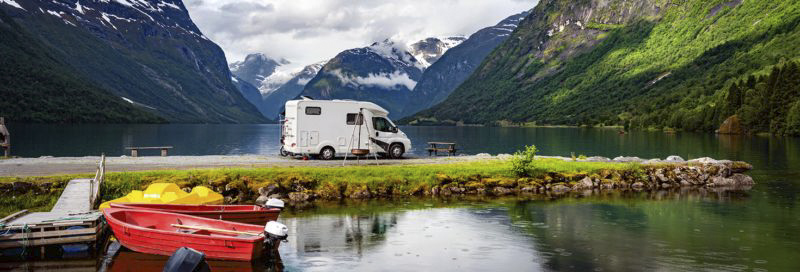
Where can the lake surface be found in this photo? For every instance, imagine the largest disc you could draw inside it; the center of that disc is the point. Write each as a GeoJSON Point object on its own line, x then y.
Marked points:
{"type": "Point", "coordinates": [753, 230]}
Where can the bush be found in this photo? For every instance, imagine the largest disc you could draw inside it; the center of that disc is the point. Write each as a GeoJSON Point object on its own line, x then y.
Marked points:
{"type": "Point", "coordinates": [521, 162]}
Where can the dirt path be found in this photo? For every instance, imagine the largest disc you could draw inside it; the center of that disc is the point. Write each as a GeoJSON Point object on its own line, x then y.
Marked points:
{"type": "Point", "coordinates": [48, 166]}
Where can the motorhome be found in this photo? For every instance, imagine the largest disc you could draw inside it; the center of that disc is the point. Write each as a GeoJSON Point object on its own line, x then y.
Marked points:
{"type": "Point", "coordinates": [331, 128]}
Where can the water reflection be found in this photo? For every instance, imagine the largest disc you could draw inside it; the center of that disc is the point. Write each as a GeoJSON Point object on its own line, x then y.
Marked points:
{"type": "Point", "coordinates": [670, 230]}
{"type": "Point", "coordinates": [128, 261]}
{"type": "Point", "coordinates": [407, 240]}
{"type": "Point", "coordinates": [622, 231]}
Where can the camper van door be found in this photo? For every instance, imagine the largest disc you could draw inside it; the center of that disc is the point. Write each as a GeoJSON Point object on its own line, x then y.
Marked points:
{"type": "Point", "coordinates": [384, 131]}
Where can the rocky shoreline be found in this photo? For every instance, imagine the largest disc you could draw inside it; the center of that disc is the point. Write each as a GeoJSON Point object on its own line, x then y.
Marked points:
{"type": "Point", "coordinates": [620, 174]}
{"type": "Point", "coordinates": [654, 174]}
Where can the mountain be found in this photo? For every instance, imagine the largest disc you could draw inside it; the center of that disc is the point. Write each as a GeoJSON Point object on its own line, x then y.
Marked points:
{"type": "Point", "coordinates": [252, 94]}
{"type": "Point", "coordinates": [457, 63]}
{"type": "Point", "coordinates": [261, 71]}
{"type": "Point", "coordinates": [275, 100]}
{"type": "Point", "coordinates": [147, 53]}
{"type": "Point", "coordinates": [39, 88]}
{"type": "Point", "coordinates": [384, 73]}
{"type": "Point", "coordinates": [638, 63]}
{"type": "Point", "coordinates": [429, 50]}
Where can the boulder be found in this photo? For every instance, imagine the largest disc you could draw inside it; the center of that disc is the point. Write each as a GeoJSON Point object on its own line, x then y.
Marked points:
{"type": "Point", "coordinates": [560, 188]}
{"type": "Point", "coordinates": [504, 156]}
{"type": "Point", "coordinates": [652, 161]}
{"type": "Point", "coordinates": [266, 191]}
{"type": "Point", "coordinates": [298, 197]}
{"type": "Point", "coordinates": [627, 159]}
{"type": "Point", "coordinates": [502, 191]}
{"type": "Point", "coordinates": [674, 158]}
{"type": "Point", "coordinates": [483, 155]}
{"type": "Point", "coordinates": [261, 200]}
{"type": "Point", "coordinates": [704, 160]}
{"type": "Point", "coordinates": [598, 159]}
{"type": "Point", "coordinates": [741, 179]}
{"type": "Point", "coordinates": [732, 125]}
{"type": "Point", "coordinates": [586, 183]}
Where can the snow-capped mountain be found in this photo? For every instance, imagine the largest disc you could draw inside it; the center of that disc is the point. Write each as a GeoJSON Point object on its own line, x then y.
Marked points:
{"type": "Point", "coordinates": [262, 71]}
{"type": "Point", "coordinates": [148, 51]}
{"type": "Point", "coordinates": [431, 49]}
{"type": "Point", "coordinates": [275, 100]}
{"type": "Point", "coordinates": [384, 72]}
{"type": "Point", "coordinates": [458, 63]}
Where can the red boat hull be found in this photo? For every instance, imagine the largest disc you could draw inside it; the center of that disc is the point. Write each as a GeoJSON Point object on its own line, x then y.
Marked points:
{"type": "Point", "coordinates": [152, 232]}
{"type": "Point", "coordinates": [249, 214]}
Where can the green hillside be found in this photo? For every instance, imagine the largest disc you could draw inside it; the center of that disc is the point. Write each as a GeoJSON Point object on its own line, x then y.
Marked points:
{"type": "Point", "coordinates": [37, 88]}
{"type": "Point", "coordinates": [646, 64]}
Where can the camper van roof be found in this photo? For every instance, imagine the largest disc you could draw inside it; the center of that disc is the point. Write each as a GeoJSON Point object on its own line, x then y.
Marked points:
{"type": "Point", "coordinates": [364, 104]}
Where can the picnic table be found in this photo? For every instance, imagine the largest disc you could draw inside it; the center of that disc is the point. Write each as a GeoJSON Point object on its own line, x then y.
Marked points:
{"type": "Point", "coordinates": [135, 150]}
{"type": "Point", "coordinates": [435, 147]}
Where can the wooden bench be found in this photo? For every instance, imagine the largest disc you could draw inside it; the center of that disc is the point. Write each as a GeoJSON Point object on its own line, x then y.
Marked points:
{"type": "Point", "coordinates": [135, 150]}
{"type": "Point", "coordinates": [435, 147]}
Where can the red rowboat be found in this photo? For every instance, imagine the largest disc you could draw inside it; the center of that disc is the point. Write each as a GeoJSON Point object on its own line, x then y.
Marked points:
{"type": "Point", "coordinates": [250, 214]}
{"type": "Point", "coordinates": [162, 233]}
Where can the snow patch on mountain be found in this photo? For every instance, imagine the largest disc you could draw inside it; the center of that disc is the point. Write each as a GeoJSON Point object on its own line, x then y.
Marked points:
{"type": "Point", "coordinates": [277, 79]}
{"type": "Point", "coordinates": [396, 52]}
{"type": "Point", "coordinates": [429, 50]}
{"type": "Point", "coordinates": [393, 81]}
{"type": "Point", "coordinates": [54, 13]}
{"type": "Point", "coordinates": [79, 8]}
{"type": "Point", "coordinates": [12, 3]}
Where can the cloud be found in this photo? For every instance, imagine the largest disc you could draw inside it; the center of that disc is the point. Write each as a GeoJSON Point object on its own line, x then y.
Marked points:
{"type": "Point", "coordinates": [308, 31]}
{"type": "Point", "coordinates": [393, 81]}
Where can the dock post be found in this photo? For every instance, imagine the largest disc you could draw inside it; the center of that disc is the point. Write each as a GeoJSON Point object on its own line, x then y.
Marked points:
{"type": "Point", "coordinates": [5, 138]}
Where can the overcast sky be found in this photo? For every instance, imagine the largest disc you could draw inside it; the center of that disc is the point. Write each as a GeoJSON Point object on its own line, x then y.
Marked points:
{"type": "Point", "coordinates": [308, 31]}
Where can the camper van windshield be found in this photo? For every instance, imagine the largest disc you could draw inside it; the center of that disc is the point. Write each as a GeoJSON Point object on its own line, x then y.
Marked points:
{"type": "Point", "coordinates": [381, 124]}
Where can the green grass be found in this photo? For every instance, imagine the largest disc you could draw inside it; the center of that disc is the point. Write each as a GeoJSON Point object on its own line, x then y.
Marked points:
{"type": "Point", "coordinates": [325, 182]}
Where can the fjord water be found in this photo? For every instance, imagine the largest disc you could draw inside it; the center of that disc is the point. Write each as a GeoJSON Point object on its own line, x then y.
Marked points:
{"type": "Point", "coordinates": [752, 230]}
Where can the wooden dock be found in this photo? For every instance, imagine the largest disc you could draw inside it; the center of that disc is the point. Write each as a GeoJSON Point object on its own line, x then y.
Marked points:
{"type": "Point", "coordinates": [71, 220]}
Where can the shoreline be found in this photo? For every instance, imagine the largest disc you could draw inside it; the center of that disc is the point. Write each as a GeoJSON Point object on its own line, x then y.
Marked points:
{"type": "Point", "coordinates": [303, 182]}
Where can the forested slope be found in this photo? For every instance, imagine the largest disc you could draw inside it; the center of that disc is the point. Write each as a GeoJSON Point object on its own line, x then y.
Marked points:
{"type": "Point", "coordinates": [37, 88]}
{"type": "Point", "coordinates": [641, 63]}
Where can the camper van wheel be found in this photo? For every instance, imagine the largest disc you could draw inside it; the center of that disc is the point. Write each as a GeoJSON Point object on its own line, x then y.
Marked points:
{"type": "Point", "coordinates": [396, 151]}
{"type": "Point", "coordinates": [327, 153]}
{"type": "Point", "coordinates": [284, 153]}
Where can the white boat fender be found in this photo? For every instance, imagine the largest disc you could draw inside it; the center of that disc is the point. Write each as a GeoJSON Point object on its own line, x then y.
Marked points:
{"type": "Point", "coordinates": [274, 203]}
{"type": "Point", "coordinates": [276, 231]}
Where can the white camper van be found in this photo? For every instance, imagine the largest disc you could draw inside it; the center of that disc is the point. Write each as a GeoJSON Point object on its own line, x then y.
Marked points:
{"type": "Point", "coordinates": [327, 128]}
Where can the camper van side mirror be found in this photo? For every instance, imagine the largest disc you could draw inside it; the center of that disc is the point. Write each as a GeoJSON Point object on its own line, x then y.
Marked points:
{"type": "Point", "coordinates": [394, 129]}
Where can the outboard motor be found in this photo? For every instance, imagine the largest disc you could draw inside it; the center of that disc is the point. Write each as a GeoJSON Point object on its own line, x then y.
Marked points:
{"type": "Point", "coordinates": [274, 233]}
{"type": "Point", "coordinates": [187, 259]}
{"type": "Point", "coordinates": [274, 203]}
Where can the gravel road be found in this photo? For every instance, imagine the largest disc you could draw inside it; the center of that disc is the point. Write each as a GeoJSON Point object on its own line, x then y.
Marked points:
{"type": "Point", "coordinates": [47, 166]}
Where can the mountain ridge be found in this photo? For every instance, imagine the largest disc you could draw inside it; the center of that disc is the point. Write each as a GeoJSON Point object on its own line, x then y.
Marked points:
{"type": "Point", "coordinates": [637, 63]}
{"type": "Point", "coordinates": [147, 51]}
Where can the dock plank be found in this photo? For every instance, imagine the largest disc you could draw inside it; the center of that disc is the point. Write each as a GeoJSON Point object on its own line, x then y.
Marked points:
{"type": "Point", "coordinates": [75, 198]}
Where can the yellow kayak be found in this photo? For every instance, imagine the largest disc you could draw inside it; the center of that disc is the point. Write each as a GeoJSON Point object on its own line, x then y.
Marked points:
{"type": "Point", "coordinates": [168, 193]}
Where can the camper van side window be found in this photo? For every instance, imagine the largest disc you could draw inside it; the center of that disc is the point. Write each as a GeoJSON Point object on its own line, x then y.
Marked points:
{"type": "Point", "coordinates": [313, 110]}
{"type": "Point", "coordinates": [351, 119]}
